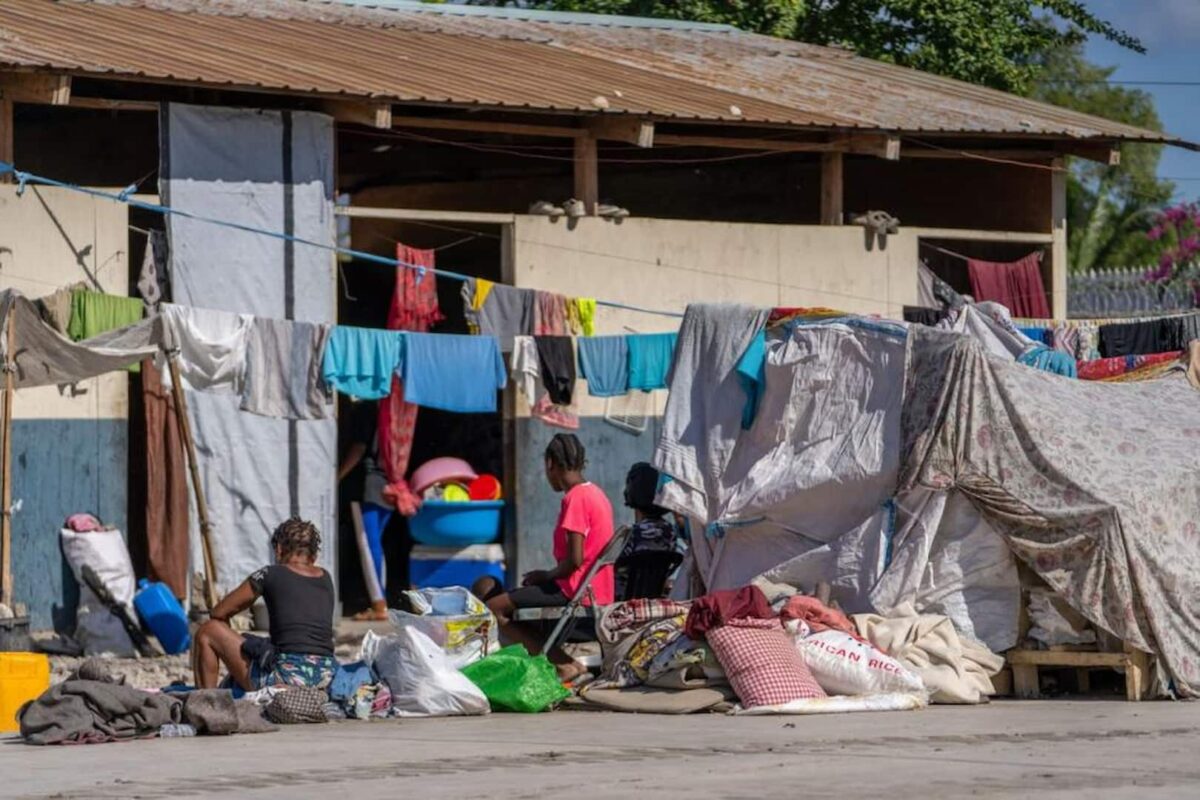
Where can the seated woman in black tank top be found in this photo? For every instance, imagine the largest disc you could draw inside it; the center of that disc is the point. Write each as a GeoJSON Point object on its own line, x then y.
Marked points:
{"type": "Point", "coordinates": [300, 602]}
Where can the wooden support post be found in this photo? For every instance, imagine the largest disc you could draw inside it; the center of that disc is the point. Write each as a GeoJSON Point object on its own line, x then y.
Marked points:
{"type": "Point", "coordinates": [1083, 677]}
{"type": "Point", "coordinates": [831, 189]}
{"type": "Point", "coordinates": [1137, 674]}
{"type": "Point", "coordinates": [185, 432]}
{"type": "Point", "coordinates": [1025, 682]}
{"type": "Point", "coordinates": [6, 591]}
{"type": "Point", "coordinates": [1058, 250]}
{"type": "Point", "coordinates": [587, 172]}
{"type": "Point", "coordinates": [6, 132]}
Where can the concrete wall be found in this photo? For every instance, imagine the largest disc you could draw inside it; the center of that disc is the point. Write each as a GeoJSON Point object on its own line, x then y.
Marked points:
{"type": "Point", "coordinates": [70, 444]}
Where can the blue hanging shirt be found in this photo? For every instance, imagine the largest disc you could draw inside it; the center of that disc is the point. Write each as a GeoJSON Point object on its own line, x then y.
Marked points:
{"type": "Point", "coordinates": [752, 372]}
{"type": "Point", "coordinates": [361, 361]}
{"type": "Point", "coordinates": [604, 362]}
{"type": "Point", "coordinates": [453, 372]}
{"type": "Point", "coordinates": [650, 356]}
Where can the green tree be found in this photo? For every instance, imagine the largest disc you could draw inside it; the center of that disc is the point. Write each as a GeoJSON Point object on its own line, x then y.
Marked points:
{"type": "Point", "coordinates": [1109, 208]}
{"type": "Point", "coordinates": [991, 42]}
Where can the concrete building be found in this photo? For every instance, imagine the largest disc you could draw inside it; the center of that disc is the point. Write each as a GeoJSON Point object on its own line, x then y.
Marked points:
{"type": "Point", "coordinates": [742, 160]}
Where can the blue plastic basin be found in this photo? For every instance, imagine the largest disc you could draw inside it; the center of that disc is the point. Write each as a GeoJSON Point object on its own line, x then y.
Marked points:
{"type": "Point", "coordinates": [443, 524]}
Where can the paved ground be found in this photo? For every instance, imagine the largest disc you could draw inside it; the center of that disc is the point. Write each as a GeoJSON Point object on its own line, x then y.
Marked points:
{"type": "Point", "coordinates": [1054, 749]}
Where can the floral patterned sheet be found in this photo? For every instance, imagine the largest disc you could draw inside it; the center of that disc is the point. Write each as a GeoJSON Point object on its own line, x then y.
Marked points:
{"type": "Point", "coordinates": [1095, 485]}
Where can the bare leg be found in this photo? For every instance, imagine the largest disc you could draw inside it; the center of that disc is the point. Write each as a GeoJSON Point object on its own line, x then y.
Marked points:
{"type": "Point", "coordinates": [501, 605]}
{"type": "Point", "coordinates": [216, 643]}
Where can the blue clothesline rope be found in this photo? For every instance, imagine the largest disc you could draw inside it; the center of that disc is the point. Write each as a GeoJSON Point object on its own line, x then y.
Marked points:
{"type": "Point", "coordinates": [124, 196]}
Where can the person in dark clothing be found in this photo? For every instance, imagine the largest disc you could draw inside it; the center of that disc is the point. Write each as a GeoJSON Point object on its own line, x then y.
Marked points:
{"type": "Point", "coordinates": [374, 511]}
{"type": "Point", "coordinates": [300, 602]}
{"type": "Point", "coordinates": [653, 531]}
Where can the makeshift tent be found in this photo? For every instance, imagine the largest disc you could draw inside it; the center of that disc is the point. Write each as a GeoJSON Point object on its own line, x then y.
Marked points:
{"type": "Point", "coordinates": [908, 465]}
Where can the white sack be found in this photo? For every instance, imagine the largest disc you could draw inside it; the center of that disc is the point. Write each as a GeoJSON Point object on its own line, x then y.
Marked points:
{"type": "Point", "coordinates": [845, 666]}
{"type": "Point", "coordinates": [423, 681]}
{"type": "Point", "coordinates": [455, 620]}
{"type": "Point", "coordinates": [840, 705]}
{"type": "Point", "coordinates": [97, 628]}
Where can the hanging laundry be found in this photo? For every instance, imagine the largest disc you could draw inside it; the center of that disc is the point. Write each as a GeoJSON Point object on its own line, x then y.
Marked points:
{"type": "Point", "coordinates": [506, 312]}
{"type": "Point", "coordinates": [453, 373]}
{"type": "Point", "coordinates": [211, 346]}
{"type": "Point", "coordinates": [604, 362]}
{"type": "Point", "coordinates": [526, 370]}
{"type": "Point", "coordinates": [550, 314]}
{"type": "Point", "coordinates": [55, 307]}
{"type": "Point", "coordinates": [1135, 338]}
{"type": "Point", "coordinates": [650, 357]}
{"type": "Point", "coordinates": [1180, 331]}
{"type": "Point", "coordinates": [918, 315]}
{"type": "Point", "coordinates": [785, 315]}
{"type": "Point", "coordinates": [166, 557]}
{"type": "Point", "coordinates": [284, 370]}
{"type": "Point", "coordinates": [152, 282]}
{"type": "Point", "coordinates": [1122, 369]}
{"type": "Point", "coordinates": [414, 308]}
{"type": "Point", "coordinates": [556, 358]}
{"type": "Point", "coordinates": [94, 313]}
{"type": "Point", "coordinates": [360, 362]}
{"type": "Point", "coordinates": [1016, 285]}
{"type": "Point", "coordinates": [581, 314]}
{"type": "Point", "coordinates": [752, 371]}
{"type": "Point", "coordinates": [1040, 335]}
{"type": "Point", "coordinates": [1047, 360]}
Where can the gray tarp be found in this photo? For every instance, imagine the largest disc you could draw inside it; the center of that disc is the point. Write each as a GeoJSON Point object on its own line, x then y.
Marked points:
{"type": "Point", "coordinates": [1094, 485]}
{"type": "Point", "coordinates": [45, 357]}
{"type": "Point", "coordinates": [271, 170]}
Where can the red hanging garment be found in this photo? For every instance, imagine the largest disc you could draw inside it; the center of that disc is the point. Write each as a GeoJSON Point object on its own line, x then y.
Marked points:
{"type": "Point", "coordinates": [414, 308]}
{"type": "Point", "coordinates": [1016, 285]}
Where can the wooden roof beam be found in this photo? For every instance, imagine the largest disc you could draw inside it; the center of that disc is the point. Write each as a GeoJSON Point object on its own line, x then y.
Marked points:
{"type": "Point", "coordinates": [36, 87]}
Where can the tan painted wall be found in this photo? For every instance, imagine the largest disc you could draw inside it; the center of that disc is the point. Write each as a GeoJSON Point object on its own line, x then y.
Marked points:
{"type": "Point", "coordinates": [51, 238]}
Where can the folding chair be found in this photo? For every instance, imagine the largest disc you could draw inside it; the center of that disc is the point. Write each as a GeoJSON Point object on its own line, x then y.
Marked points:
{"type": "Point", "coordinates": [570, 614]}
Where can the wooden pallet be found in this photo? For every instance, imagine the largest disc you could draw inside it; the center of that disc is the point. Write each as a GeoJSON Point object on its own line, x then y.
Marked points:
{"type": "Point", "coordinates": [1025, 665]}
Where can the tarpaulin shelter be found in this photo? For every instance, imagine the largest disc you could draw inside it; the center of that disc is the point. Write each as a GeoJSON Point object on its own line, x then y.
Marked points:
{"type": "Point", "coordinates": [906, 464]}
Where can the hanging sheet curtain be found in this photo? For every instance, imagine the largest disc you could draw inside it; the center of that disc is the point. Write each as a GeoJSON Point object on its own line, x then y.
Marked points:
{"type": "Point", "coordinates": [1016, 285]}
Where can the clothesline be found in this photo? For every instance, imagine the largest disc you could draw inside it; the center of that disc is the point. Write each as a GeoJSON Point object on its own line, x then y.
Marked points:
{"type": "Point", "coordinates": [952, 253]}
{"type": "Point", "coordinates": [124, 196]}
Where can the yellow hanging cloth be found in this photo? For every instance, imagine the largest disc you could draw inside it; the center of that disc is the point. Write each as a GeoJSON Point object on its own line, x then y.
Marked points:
{"type": "Point", "coordinates": [483, 288]}
{"type": "Point", "coordinates": [581, 312]}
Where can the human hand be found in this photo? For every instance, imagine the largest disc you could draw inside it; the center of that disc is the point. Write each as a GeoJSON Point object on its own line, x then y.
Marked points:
{"type": "Point", "coordinates": [535, 577]}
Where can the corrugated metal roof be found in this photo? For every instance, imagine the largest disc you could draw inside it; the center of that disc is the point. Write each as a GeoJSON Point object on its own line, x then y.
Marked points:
{"type": "Point", "coordinates": [429, 54]}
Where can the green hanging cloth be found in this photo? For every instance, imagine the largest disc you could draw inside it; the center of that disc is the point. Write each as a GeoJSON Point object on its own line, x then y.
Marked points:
{"type": "Point", "coordinates": [94, 313]}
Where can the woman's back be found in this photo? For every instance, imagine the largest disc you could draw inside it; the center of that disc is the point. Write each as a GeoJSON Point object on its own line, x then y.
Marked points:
{"type": "Point", "coordinates": [300, 608]}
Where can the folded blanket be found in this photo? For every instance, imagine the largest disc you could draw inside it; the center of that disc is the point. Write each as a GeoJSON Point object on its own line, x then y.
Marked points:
{"type": "Point", "coordinates": [83, 711]}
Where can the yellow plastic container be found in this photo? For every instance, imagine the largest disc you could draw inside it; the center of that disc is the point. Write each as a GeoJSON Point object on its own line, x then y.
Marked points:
{"type": "Point", "coordinates": [23, 677]}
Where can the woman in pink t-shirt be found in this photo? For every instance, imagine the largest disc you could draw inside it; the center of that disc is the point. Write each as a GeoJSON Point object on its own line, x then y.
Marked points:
{"type": "Point", "coordinates": [584, 529]}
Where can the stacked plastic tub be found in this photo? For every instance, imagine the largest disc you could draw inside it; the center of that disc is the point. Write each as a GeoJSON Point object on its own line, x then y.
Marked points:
{"type": "Point", "coordinates": [455, 538]}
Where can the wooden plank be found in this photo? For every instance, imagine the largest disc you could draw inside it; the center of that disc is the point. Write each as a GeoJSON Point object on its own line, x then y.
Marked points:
{"type": "Point", "coordinates": [1107, 153]}
{"type": "Point", "coordinates": [486, 126]}
{"type": "Point", "coordinates": [587, 173]}
{"type": "Point", "coordinates": [881, 145]}
{"type": "Point", "coordinates": [623, 129]}
{"type": "Point", "coordinates": [35, 87]}
{"type": "Point", "coordinates": [431, 215]}
{"type": "Point", "coordinates": [1047, 658]}
{"type": "Point", "coordinates": [832, 189]}
{"type": "Point", "coordinates": [1084, 678]}
{"type": "Point", "coordinates": [105, 104]}
{"type": "Point", "coordinates": [373, 115]}
{"type": "Point", "coordinates": [6, 589]}
{"type": "Point", "coordinates": [730, 143]}
{"type": "Point", "coordinates": [6, 135]}
{"type": "Point", "coordinates": [1137, 674]}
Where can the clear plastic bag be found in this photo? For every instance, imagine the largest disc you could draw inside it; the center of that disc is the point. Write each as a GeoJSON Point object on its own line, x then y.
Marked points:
{"type": "Point", "coordinates": [456, 620]}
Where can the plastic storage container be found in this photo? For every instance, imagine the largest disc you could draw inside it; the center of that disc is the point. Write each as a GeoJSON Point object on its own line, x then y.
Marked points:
{"type": "Point", "coordinates": [458, 525]}
{"type": "Point", "coordinates": [439, 567]}
{"type": "Point", "coordinates": [23, 677]}
{"type": "Point", "coordinates": [163, 615]}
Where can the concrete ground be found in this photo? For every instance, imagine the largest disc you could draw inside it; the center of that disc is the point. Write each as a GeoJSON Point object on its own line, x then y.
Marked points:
{"type": "Point", "coordinates": [1048, 749]}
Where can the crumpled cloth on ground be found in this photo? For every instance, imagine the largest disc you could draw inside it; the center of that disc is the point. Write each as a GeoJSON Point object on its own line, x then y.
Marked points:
{"type": "Point", "coordinates": [215, 712]}
{"type": "Point", "coordinates": [715, 608]}
{"type": "Point", "coordinates": [818, 616]}
{"type": "Point", "coordinates": [632, 634]}
{"type": "Point", "coordinates": [85, 712]}
{"type": "Point", "coordinates": [955, 669]}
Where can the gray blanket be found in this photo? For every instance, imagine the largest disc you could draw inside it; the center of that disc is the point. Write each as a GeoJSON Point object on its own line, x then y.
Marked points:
{"type": "Point", "coordinates": [81, 711]}
{"type": "Point", "coordinates": [215, 712]}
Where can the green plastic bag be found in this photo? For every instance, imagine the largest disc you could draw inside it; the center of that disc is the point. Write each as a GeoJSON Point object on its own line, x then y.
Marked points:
{"type": "Point", "coordinates": [513, 680]}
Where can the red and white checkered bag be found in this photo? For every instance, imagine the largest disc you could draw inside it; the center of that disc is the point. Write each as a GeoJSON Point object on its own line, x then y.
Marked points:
{"type": "Point", "coordinates": [762, 663]}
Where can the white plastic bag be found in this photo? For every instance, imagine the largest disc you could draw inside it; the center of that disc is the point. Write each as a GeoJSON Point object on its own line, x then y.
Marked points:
{"type": "Point", "coordinates": [845, 666]}
{"type": "Point", "coordinates": [456, 620]}
{"type": "Point", "coordinates": [422, 680]}
{"type": "Point", "coordinates": [96, 628]}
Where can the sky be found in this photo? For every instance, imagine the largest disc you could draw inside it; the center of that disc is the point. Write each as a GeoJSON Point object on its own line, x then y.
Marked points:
{"type": "Point", "coordinates": [1170, 30]}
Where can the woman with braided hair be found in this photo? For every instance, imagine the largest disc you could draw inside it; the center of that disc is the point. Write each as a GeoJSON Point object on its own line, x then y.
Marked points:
{"type": "Point", "coordinates": [300, 602]}
{"type": "Point", "coordinates": [584, 529]}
